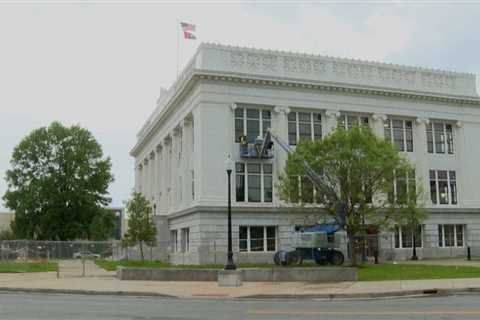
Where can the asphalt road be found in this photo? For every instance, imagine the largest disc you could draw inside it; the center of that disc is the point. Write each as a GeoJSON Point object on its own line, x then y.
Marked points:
{"type": "Point", "coordinates": [62, 307]}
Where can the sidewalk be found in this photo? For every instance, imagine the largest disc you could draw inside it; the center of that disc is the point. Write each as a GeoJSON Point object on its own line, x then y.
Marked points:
{"type": "Point", "coordinates": [99, 281]}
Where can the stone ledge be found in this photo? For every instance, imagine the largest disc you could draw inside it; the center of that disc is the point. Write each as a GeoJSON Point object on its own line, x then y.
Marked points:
{"type": "Point", "coordinates": [276, 274]}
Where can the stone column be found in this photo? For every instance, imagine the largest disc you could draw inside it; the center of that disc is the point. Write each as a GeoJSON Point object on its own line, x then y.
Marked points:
{"type": "Point", "coordinates": [280, 128]}
{"type": "Point", "coordinates": [158, 178]}
{"type": "Point", "coordinates": [187, 160]}
{"type": "Point", "coordinates": [145, 182]}
{"type": "Point", "coordinates": [331, 122]}
{"type": "Point", "coordinates": [138, 177]}
{"type": "Point", "coordinates": [152, 162]}
{"type": "Point", "coordinates": [167, 159]}
{"type": "Point", "coordinates": [459, 152]}
{"type": "Point", "coordinates": [378, 124]}
{"type": "Point", "coordinates": [422, 173]}
{"type": "Point", "coordinates": [175, 167]}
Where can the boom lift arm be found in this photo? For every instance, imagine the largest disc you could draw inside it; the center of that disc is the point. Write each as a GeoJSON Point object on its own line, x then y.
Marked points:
{"type": "Point", "coordinates": [317, 179]}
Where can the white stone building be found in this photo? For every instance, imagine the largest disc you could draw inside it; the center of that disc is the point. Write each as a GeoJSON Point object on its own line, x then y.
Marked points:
{"type": "Point", "coordinates": [225, 92]}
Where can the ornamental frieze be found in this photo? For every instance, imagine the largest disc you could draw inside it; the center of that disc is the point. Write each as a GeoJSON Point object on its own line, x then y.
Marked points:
{"type": "Point", "coordinates": [335, 69]}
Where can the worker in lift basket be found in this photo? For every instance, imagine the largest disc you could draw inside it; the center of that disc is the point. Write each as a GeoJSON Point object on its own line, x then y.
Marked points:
{"type": "Point", "coordinates": [243, 146]}
{"type": "Point", "coordinates": [258, 145]}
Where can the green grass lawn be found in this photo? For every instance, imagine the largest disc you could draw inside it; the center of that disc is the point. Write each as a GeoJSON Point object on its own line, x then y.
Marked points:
{"type": "Point", "coordinates": [22, 267]}
{"type": "Point", "coordinates": [383, 272]}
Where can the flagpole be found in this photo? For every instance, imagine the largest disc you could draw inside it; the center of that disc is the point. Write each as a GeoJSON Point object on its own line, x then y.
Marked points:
{"type": "Point", "coordinates": [178, 45]}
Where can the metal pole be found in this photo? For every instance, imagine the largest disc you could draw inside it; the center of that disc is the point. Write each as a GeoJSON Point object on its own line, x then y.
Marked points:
{"type": "Point", "coordinates": [230, 264]}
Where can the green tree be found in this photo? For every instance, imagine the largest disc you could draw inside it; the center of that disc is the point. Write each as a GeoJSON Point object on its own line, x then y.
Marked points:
{"type": "Point", "coordinates": [102, 225]}
{"type": "Point", "coordinates": [57, 183]}
{"type": "Point", "coordinates": [408, 213]}
{"type": "Point", "coordinates": [141, 226]}
{"type": "Point", "coordinates": [356, 166]}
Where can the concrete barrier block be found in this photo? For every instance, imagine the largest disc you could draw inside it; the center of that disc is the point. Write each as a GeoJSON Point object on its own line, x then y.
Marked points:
{"type": "Point", "coordinates": [229, 278]}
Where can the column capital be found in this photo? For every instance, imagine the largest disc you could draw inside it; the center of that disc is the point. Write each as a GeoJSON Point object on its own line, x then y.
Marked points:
{"type": "Point", "coordinates": [379, 117]}
{"type": "Point", "coordinates": [152, 154]}
{"type": "Point", "coordinates": [280, 109]}
{"type": "Point", "coordinates": [159, 148]}
{"type": "Point", "coordinates": [422, 120]}
{"type": "Point", "coordinates": [459, 124]}
{"type": "Point", "coordinates": [145, 161]}
{"type": "Point", "coordinates": [178, 129]}
{"type": "Point", "coordinates": [233, 106]}
{"type": "Point", "coordinates": [140, 166]}
{"type": "Point", "coordinates": [188, 120]}
{"type": "Point", "coordinates": [332, 113]}
{"type": "Point", "coordinates": [167, 140]}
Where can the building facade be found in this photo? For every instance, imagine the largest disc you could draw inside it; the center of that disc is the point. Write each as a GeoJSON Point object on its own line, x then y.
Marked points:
{"type": "Point", "coordinates": [226, 94]}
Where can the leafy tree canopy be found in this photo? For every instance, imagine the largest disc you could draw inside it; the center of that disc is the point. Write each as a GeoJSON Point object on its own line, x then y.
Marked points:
{"type": "Point", "coordinates": [57, 183]}
{"type": "Point", "coordinates": [357, 170]}
{"type": "Point", "coordinates": [141, 226]}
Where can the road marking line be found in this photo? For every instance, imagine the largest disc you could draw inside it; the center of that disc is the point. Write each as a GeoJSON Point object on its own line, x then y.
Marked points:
{"type": "Point", "coordinates": [361, 313]}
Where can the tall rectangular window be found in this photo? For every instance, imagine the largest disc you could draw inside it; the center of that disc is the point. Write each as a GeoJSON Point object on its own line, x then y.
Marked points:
{"type": "Point", "coordinates": [253, 182]}
{"type": "Point", "coordinates": [451, 235]}
{"type": "Point", "coordinates": [251, 121]}
{"type": "Point", "coordinates": [443, 187]}
{"type": "Point", "coordinates": [404, 237]}
{"type": "Point", "coordinates": [399, 132]}
{"type": "Point", "coordinates": [185, 239]}
{"type": "Point", "coordinates": [346, 121]}
{"type": "Point", "coordinates": [403, 186]}
{"type": "Point", "coordinates": [304, 126]}
{"type": "Point", "coordinates": [303, 191]}
{"type": "Point", "coordinates": [174, 240]}
{"type": "Point", "coordinates": [240, 181]}
{"type": "Point", "coordinates": [440, 138]}
{"type": "Point", "coordinates": [257, 238]}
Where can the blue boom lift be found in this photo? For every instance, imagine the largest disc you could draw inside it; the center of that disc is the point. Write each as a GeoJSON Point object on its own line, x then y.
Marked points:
{"type": "Point", "coordinates": [318, 242]}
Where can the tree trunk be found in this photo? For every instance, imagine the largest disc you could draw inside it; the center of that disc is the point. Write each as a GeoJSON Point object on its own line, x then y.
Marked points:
{"type": "Point", "coordinates": [141, 250]}
{"type": "Point", "coordinates": [352, 248]}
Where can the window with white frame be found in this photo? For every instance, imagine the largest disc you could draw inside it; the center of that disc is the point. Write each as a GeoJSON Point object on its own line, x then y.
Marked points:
{"type": "Point", "coordinates": [303, 191]}
{"type": "Point", "coordinates": [174, 240]}
{"type": "Point", "coordinates": [251, 121]}
{"type": "Point", "coordinates": [254, 182]}
{"type": "Point", "coordinates": [439, 137]}
{"type": "Point", "coordinates": [404, 237]}
{"type": "Point", "coordinates": [443, 187]}
{"type": "Point", "coordinates": [185, 239]}
{"type": "Point", "coordinates": [346, 121]}
{"type": "Point", "coordinates": [403, 186]}
{"type": "Point", "coordinates": [451, 235]}
{"type": "Point", "coordinates": [400, 133]}
{"type": "Point", "coordinates": [304, 126]}
{"type": "Point", "coordinates": [257, 238]}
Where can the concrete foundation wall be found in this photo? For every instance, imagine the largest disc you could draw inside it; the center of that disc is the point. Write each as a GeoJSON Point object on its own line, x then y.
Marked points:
{"type": "Point", "coordinates": [248, 275]}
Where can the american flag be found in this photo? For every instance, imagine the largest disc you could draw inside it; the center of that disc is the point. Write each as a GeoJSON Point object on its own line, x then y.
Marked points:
{"type": "Point", "coordinates": [188, 30]}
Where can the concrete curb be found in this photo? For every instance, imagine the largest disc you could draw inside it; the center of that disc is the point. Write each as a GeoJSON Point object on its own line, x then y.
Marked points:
{"type": "Point", "coordinates": [372, 295]}
{"type": "Point", "coordinates": [87, 292]}
{"type": "Point", "coordinates": [327, 296]}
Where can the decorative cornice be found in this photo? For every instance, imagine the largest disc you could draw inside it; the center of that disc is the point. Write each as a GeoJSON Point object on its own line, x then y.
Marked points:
{"type": "Point", "coordinates": [314, 72]}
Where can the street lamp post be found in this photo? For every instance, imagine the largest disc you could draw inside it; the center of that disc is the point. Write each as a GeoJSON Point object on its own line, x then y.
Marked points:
{"type": "Point", "coordinates": [230, 264]}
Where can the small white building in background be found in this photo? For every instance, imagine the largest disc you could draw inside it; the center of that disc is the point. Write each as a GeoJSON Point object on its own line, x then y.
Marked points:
{"type": "Point", "coordinates": [225, 92]}
{"type": "Point", "coordinates": [5, 219]}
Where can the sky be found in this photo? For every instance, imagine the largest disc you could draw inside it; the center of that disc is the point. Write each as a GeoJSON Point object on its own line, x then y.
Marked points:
{"type": "Point", "coordinates": [101, 64]}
